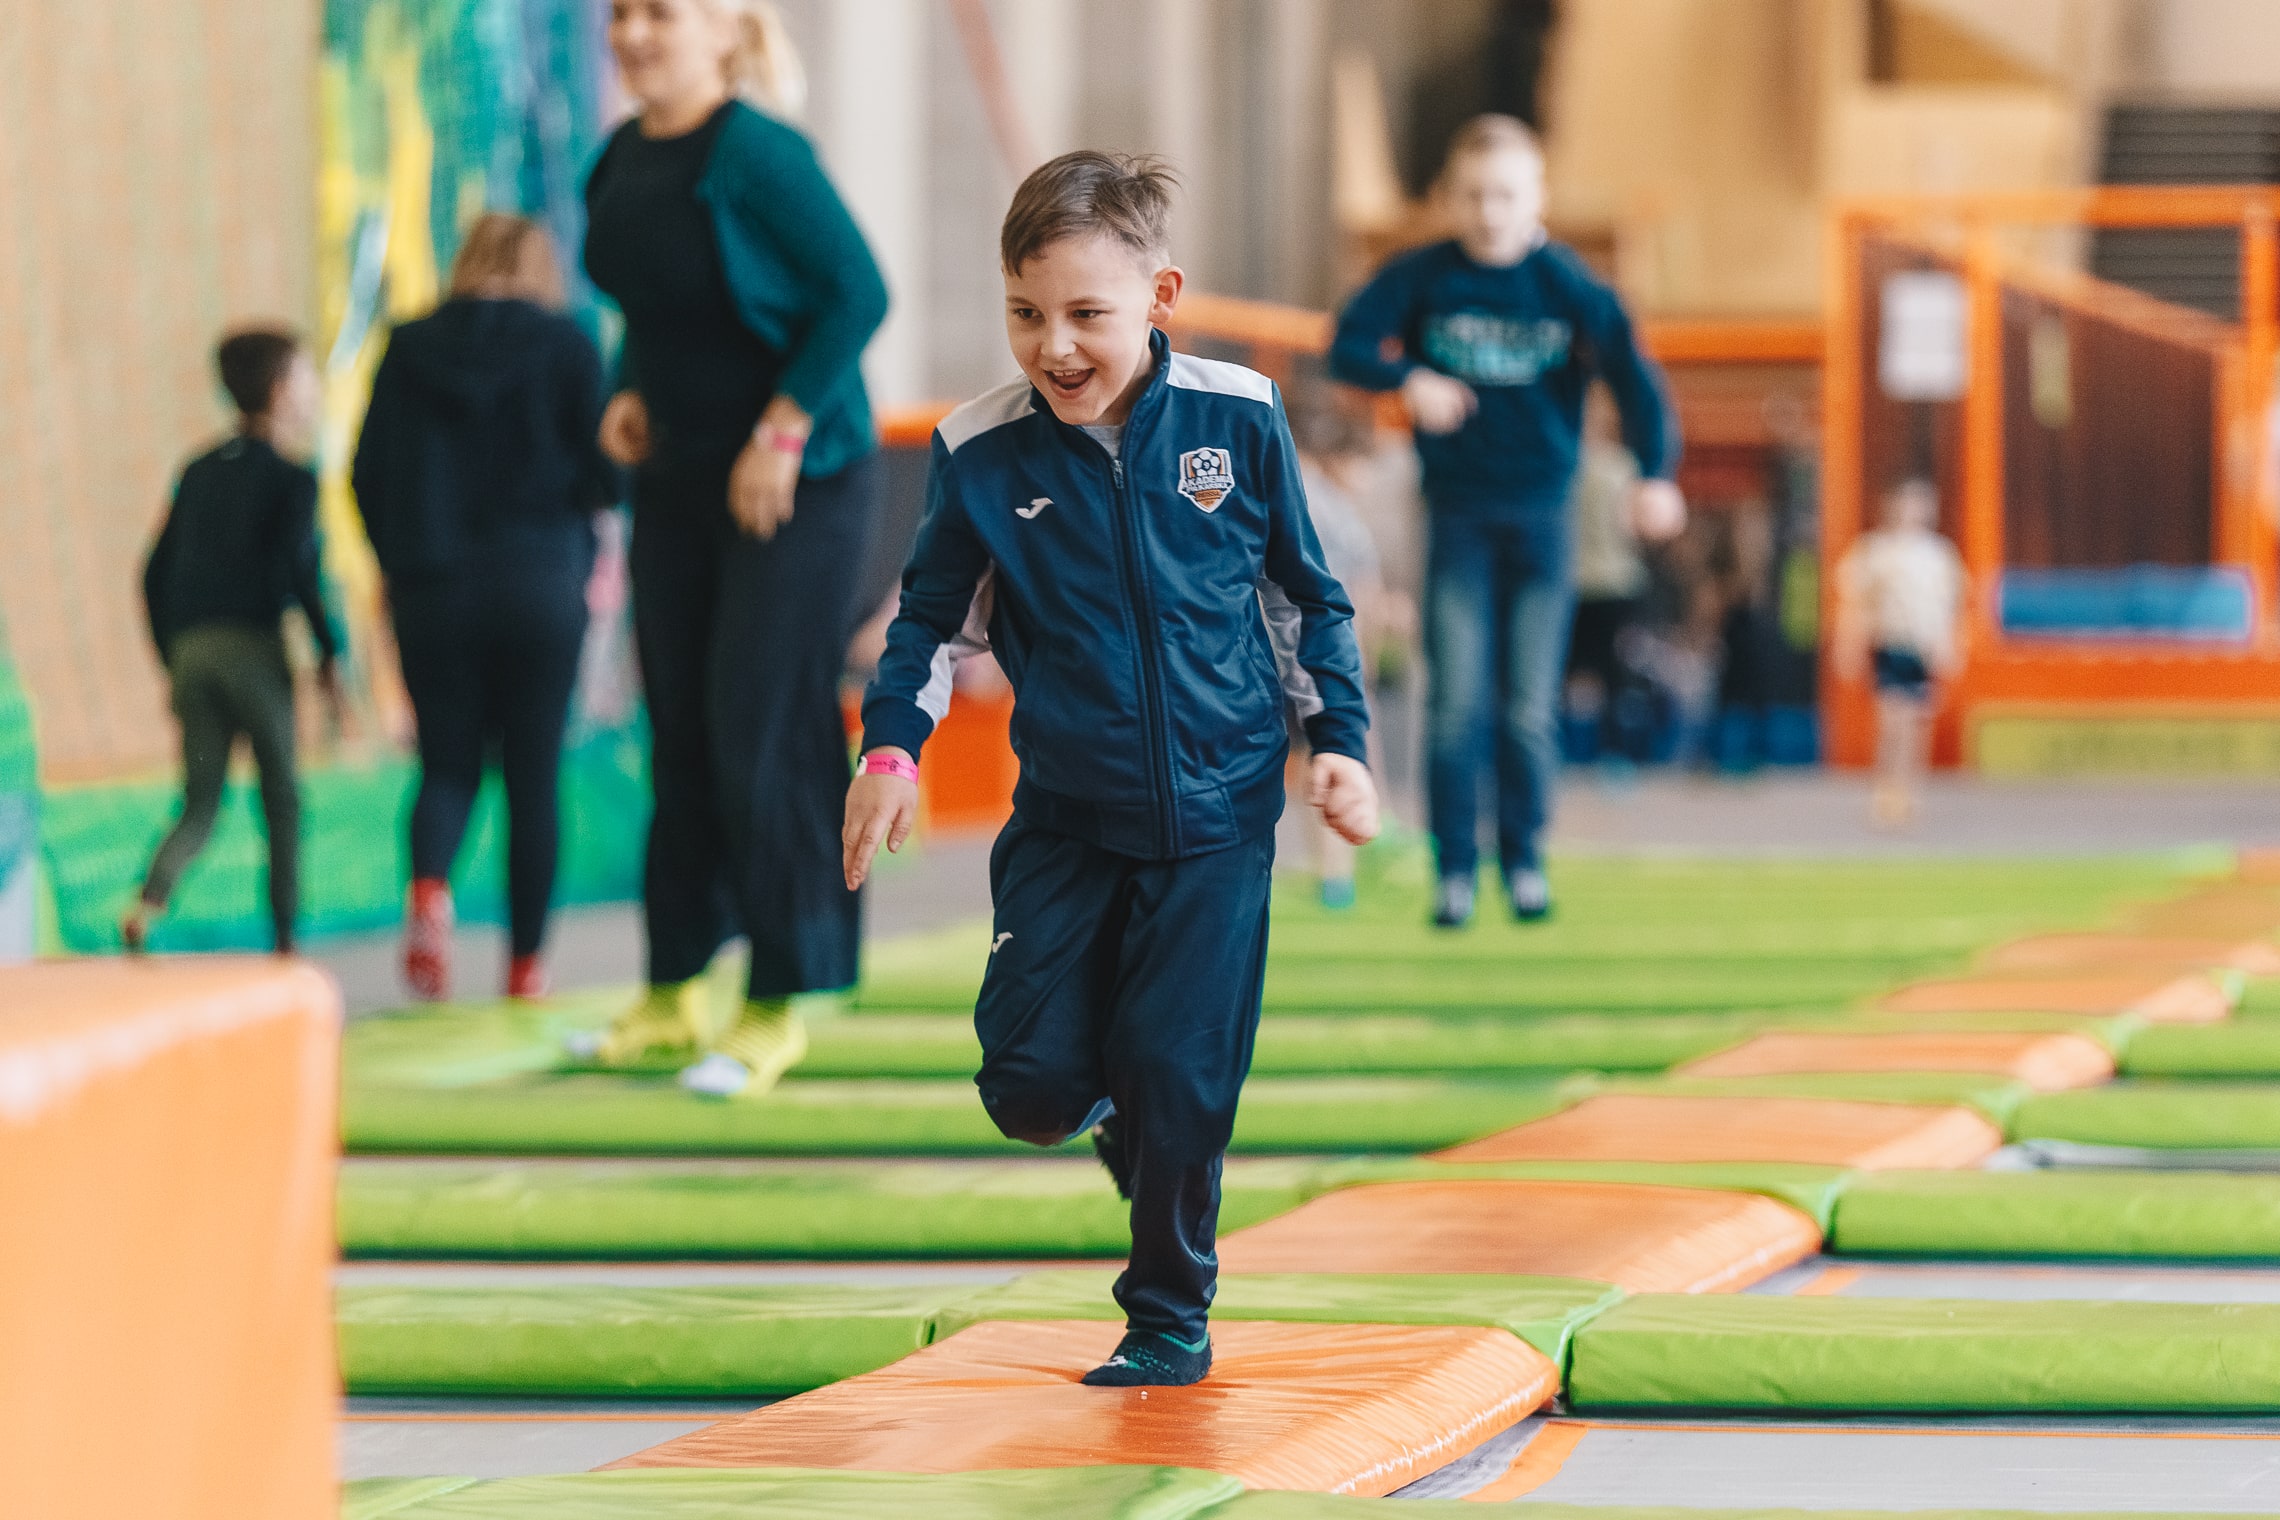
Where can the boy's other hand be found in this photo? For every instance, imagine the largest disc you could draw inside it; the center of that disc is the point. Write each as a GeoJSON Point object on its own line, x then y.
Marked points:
{"type": "Point", "coordinates": [1436, 402]}
{"type": "Point", "coordinates": [625, 429]}
{"type": "Point", "coordinates": [1658, 511]}
{"type": "Point", "coordinates": [880, 809]}
{"type": "Point", "coordinates": [1341, 787]}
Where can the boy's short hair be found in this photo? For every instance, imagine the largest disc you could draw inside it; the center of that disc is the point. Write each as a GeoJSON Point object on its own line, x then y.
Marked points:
{"type": "Point", "coordinates": [251, 361]}
{"type": "Point", "coordinates": [1493, 132]}
{"type": "Point", "coordinates": [1121, 195]}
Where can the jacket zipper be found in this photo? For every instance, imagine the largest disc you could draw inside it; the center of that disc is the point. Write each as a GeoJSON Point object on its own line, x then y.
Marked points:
{"type": "Point", "coordinates": [1151, 681]}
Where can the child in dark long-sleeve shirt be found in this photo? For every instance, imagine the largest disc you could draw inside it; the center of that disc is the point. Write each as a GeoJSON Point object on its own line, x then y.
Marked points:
{"type": "Point", "coordinates": [239, 547]}
{"type": "Point", "coordinates": [1494, 339]}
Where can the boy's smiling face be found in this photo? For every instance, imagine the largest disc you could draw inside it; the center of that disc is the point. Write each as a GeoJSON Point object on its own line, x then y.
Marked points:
{"type": "Point", "coordinates": [1078, 314]}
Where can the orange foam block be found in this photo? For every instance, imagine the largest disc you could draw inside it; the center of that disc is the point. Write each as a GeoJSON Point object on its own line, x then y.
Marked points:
{"type": "Point", "coordinates": [2140, 952]}
{"type": "Point", "coordinates": [1674, 1127]}
{"type": "Point", "coordinates": [1343, 1409]}
{"type": "Point", "coordinates": [2045, 1062]}
{"type": "Point", "coordinates": [167, 1134]}
{"type": "Point", "coordinates": [2156, 996]}
{"type": "Point", "coordinates": [2232, 910]}
{"type": "Point", "coordinates": [1649, 1239]}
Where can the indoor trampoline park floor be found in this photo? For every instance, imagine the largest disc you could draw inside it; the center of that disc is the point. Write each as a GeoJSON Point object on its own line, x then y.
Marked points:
{"type": "Point", "coordinates": [1835, 1186]}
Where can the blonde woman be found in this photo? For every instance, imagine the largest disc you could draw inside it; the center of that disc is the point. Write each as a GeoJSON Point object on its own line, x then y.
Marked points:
{"type": "Point", "coordinates": [479, 474]}
{"type": "Point", "coordinates": [748, 297]}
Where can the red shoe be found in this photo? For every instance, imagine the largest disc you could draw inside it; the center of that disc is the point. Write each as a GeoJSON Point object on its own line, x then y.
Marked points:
{"type": "Point", "coordinates": [427, 940]}
{"type": "Point", "coordinates": [526, 978]}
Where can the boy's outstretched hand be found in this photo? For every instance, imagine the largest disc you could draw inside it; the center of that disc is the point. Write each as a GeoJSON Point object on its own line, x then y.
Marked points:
{"type": "Point", "coordinates": [1341, 787]}
{"type": "Point", "coordinates": [880, 809]}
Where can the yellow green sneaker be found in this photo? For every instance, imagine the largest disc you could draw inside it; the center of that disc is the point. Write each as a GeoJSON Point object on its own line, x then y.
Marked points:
{"type": "Point", "coordinates": [666, 1020]}
{"type": "Point", "coordinates": [767, 1040]}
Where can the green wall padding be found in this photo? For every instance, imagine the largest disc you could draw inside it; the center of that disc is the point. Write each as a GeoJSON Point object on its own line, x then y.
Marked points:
{"type": "Point", "coordinates": [2157, 1116]}
{"type": "Point", "coordinates": [764, 1210]}
{"type": "Point", "coordinates": [582, 1340]}
{"type": "Point", "coordinates": [1741, 1351]}
{"type": "Point", "coordinates": [2146, 1215]}
{"type": "Point", "coordinates": [1809, 1189]}
{"type": "Point", "coordinates": [2239, 1047]}
{"type": "Point", "coordinates": [610, 1114]}
{"type": "Point", "coordinates": [96, 842]}
{"type": "Point", "coordinates": [1058, 1493]}
{"type": "Point", "coordinates": [1543, 1311]}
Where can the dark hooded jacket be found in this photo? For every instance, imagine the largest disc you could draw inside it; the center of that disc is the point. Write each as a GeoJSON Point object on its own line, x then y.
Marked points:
{"type": "Point", "coordinates": [479, 453]}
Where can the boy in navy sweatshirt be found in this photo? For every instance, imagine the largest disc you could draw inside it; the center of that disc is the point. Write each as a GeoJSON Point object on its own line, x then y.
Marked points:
{"type": "Point", "coordinates": [1110, 525]}
{"type": "Point", "coordinates": [1493, 339]}
{"type": "Point", "coordinates": [238, 548]}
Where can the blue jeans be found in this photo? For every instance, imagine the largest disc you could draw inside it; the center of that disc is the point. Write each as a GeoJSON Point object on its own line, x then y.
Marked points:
{"type": "Point", "coordinates": [1498, 602]}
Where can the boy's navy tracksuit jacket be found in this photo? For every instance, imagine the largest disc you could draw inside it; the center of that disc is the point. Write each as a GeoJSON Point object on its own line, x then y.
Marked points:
{"type": "Point", "coordinates": [1127, 601]}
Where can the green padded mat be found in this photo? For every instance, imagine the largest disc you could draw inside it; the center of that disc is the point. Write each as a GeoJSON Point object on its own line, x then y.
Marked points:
{"type": "Point", "coordinates": [613, 1114]}
{"type": "Point", "coordinates": [2146, 1215]}
{"type": "Point", "coordinates": [1109, 1493]}
{"type": "Point", "coordinates": [1809, 1189]}
{"type": "Point", "coordinates": [763, 1209]}
{"type": "Point", "coordinates": [584, 1339]}
{"type": "Point", "coordinates": [2205, 1116]}
{"type": "Point", "coordinates": [1740, 1351]}
{"type": "Point", "coordinates": [2238, 1047]}
{"type": "Point", "coordinates": [1543, 1311]}
{"type": "Point", "coordinates": [469, 1044]}
{"type": "Point", "coordinates": [1295, 1506]}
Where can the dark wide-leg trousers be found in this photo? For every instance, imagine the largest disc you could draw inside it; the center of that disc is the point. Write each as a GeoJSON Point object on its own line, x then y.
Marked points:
{"type": "Point", "coordinates": [741, 644]}
{"type": "Point", "coordinates": [1130, 986]}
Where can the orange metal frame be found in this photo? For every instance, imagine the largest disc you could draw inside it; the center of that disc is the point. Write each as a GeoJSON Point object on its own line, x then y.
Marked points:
{"type": "Point", "coordinates": [2060, 673]}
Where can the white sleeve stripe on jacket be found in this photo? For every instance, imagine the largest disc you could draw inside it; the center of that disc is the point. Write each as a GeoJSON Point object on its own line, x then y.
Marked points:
{"type": "Point", "coordinates": [1192, 374]}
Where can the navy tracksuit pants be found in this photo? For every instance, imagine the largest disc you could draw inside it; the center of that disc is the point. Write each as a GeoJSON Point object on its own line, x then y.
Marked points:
{"type": "Point", "coordinates": [1130, 986]}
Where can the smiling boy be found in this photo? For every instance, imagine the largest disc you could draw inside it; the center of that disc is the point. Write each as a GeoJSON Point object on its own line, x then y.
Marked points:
{"type": "Point", "coordinates": [1108, 525]}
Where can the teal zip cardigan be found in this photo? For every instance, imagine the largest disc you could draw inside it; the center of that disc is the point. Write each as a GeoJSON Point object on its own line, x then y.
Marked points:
{"type": "Point", "coordinates": [799, 271]}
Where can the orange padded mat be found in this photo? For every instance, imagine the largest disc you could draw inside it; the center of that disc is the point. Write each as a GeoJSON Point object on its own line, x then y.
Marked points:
{"type": "Point", "coordinates": [1674, 1127]}
{"type": "Point", "coordinates": [1645, 1238]}
{"type": "Point", "coordinates": [2243, 910]}
{"type": "Point", "coordinates": [2045, 1062]}
{"type": "Point", "coordinates": [2156, 996]}
{"type": "Point", "coordinates": [167, 1130]}
{"type": "Point", "coordinates": [2138, 952]}
{"type": "Point", "coordinates": [1348, 1409]}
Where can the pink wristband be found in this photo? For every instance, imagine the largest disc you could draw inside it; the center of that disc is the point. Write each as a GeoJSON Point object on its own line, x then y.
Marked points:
{"type": "Point", "coordinates": [890, 765]}
{"type": "Point", "coordinates": [782, 442]}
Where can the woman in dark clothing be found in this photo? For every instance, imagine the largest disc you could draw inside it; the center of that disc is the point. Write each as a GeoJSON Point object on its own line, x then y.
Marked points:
{"type": "Point", "coordinates": [479, 473]}
{"type": "Point", "coordinates": [748, 296]}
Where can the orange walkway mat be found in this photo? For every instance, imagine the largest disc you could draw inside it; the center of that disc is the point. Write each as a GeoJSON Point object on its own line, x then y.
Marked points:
{"type": "Point", "coordinates": [2155, 996]}
{"type": "Point", "coordinates": [2243, 910]}
{"type": "Point", "coordinates": [1645, 1238]}
{"type": "Point", "coordinates": [2045, 1062]}
{"type": "Point", "coordinates": [1676, 1127]}
{"type": "Point", "coordinates": [2134, 952]}
{"type": "Point", "coordinates": [1347, 1409]}
{"type": "Point", "coordinates": [167, 1130]}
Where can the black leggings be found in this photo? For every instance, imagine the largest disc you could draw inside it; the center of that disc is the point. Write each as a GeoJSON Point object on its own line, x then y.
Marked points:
{"type": "Point", "coordinates": [493, 659]}
{"type": "Point", "coordinates": [742, 644]}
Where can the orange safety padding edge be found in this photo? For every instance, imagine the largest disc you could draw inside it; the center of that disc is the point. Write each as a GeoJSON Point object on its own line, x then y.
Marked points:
{"type": "Point", "coordinates": [2045, 1062]}
{"type": "Point", "coordinates": [2154, 996]}
{"type": "Point", "coordinates": [1671, 1127]}
{"type": "Point", "coordinates": [167, 1135]}
{"type": "Point", "coordinates": [1647, 1238]}
{"type": "Point", "coordinates": [2075, 952]}
{"type": "Point", "coordinates": [1345, 1409]}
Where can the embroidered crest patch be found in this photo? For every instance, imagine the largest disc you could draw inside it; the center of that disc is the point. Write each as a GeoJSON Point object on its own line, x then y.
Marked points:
{"type": "Point", "coordinates": [1207, 477]}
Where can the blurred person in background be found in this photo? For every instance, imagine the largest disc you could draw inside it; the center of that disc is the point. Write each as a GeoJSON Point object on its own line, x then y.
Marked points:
{"type": "Point", "coordinates": [1493, 339]}
{"type": "Point", "coordinates": [1750, 649]}
{"type": "Point", "coordinates": [748, 296]}
{"type": "Point", "coordinates": [1900, 596]}
{"type": "Point", "coordinates": [1611, 580]}
{"type": "Point", "coordinates": [1336, 455]}
{"type": "Point", "coordinates": [238, 548]}
{"type": "Point", "coordinates": [479, 475]}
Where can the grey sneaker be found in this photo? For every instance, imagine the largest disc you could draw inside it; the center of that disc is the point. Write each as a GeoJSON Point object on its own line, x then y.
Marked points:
{"type": "Point", "coordinates": [1531, 895]}
{"type": "Point", "coordinates": [1453, 904]}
